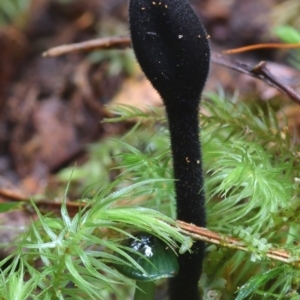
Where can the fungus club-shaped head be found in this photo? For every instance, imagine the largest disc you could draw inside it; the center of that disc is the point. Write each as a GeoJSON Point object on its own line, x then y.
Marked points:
{"type": "Point", "coordinates": [171, 47]}
{"type": "Point", "coordinates": [154, 256]}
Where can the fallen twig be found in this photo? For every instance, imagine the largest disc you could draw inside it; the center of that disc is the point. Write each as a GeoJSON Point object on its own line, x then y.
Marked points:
{"type": "Point", "coordinates": [262, 46]}
{"type": "Point", "coordinates": [195, 232]}
{"type": "Point", "coordinates": [101, 43]}
{"type": "Point", "coordinates": [203, 234]}
{"type": "Point", "coordinates": [44, 205]}
{"type": "Point", "coordinates": [259, 71]}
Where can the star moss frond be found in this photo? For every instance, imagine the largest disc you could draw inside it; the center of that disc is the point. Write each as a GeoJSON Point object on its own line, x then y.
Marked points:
{"type": "Point", "coordinates": [252, 187]}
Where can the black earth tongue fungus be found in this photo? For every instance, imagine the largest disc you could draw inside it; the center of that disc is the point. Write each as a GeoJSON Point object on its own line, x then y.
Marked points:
{"type": "Point", "coordinates": [154, 257]}
{"type": "Point", "coordinates": [172, 49]}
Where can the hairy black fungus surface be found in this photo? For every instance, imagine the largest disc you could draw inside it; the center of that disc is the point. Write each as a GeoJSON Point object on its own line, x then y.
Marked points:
{"type": "Point", "coordinates": [172, 49]}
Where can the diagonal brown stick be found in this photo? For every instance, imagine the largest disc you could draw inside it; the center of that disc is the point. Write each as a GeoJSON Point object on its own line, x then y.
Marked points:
{"type": "Point", "coordinates": [203, 234]}
{"type": "Point", "coordinates": [96, 44]}
{"type": "Point", "coordinates": [7, 195]}
{"type": "Point", "coordinates": [196, 233]}
{"type": "Point", "coordinates": [259, 71]}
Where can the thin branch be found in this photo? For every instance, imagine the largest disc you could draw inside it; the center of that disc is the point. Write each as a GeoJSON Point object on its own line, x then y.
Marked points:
{"type": "Point", "coordinates": [195, 232]}
{"type": "Point", "coordinates": [203, 234]}
{"type": "Point", "coordinates": [262, 46]}
{"type": "Point", "coordinates": [259, 71]}
{"type": "Point", "coordinates": [96, 44]}
{"type": "Point", "coordinates": [44, 205]}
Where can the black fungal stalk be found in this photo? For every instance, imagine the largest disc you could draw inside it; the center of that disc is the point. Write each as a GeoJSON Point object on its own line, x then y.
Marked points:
{"type": "Point", "coordinates": [172, 49]}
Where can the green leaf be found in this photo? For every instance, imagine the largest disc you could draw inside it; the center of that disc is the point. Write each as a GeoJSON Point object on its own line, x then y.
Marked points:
{"type": "Point", "coordinates": [5, 207]}
{"type": "Point", "coordinates": [154, 256]}
{"type": "Point", "coordinates": [255, 282]}
{"type": "Point", "coordinates": [287, 34]}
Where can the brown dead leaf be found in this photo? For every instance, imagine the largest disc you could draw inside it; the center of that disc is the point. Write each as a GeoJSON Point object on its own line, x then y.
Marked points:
{"type": "Point", "coordinates": [137, 92]}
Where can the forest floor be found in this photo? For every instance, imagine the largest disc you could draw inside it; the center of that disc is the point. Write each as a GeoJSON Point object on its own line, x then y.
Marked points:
{"type": "Point", "coordinates": [52, 108]}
